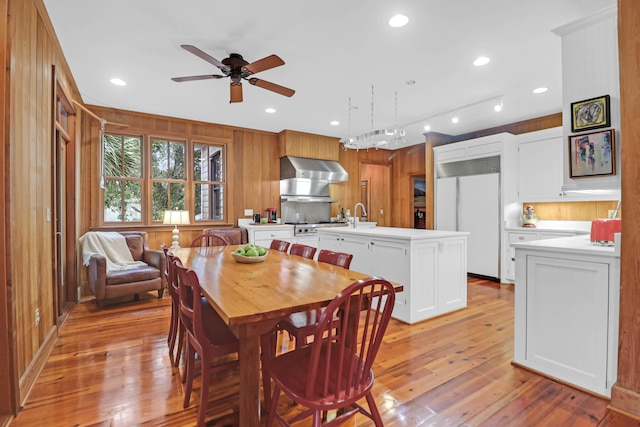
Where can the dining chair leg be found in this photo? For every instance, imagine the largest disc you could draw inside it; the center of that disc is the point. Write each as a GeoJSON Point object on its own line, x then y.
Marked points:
{"type": "Point", "coordinates": [188, 377]}
{"type": "Point", "coordinates": [173, 338]}
{"type": "Point", "coordinates": [204, 390]}
{"type": "Point", "coordinates": [181, 334]}
{"type": "Point", "coordinates": [373, 409]}
{"type": "Point", "coordinates": [274, 405]}
{"type": "Point", "coordinates": [172, 328]}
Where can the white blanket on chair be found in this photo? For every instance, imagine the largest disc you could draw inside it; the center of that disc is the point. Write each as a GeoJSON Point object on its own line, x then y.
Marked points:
{"type": "Point", "coordinates": [112, 246]}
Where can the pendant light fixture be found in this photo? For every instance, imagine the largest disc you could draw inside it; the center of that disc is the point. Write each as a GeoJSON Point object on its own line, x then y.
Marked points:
{"type": "Point", "coordinates": [375, 138]}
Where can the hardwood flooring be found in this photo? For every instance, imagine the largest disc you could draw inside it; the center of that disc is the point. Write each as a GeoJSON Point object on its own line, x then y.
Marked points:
{"type": "Point", "coordinates": [110, 367]}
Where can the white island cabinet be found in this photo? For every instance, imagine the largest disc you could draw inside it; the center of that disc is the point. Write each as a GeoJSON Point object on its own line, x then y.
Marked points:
{"type": "Point", "coordinates": [566, 311]}
{"type": "Point", "coordinates": [264, 234]}
{"type": "Point", "coordinates": [430, 265]}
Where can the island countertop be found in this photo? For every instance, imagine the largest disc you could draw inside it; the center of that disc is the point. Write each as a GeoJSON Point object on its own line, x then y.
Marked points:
{"type": "Point", "coordinates": [575, 244]}
{"type": "Point", "coordinates": [395, 232]}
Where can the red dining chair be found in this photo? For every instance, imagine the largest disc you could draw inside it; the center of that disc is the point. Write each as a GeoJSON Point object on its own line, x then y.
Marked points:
{"type": "Point", "coordinates": [303, 250]}
{"type": "Point", "coordinates": [207, 334]}
{"type": "Point", "coordinates": [209, 239]}
{"type": "Point", "coordinates": [175, 328]}
{"type": "Point", "coordinates": [300, 325]}
{"type": "Point", "coordinates": [335, 371]}
{"type": "Point", "coordinates": [279, 245]}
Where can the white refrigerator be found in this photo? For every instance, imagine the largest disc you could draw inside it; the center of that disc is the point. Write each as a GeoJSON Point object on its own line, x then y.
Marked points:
{"type": "Point", "coordinates": [472, 203]}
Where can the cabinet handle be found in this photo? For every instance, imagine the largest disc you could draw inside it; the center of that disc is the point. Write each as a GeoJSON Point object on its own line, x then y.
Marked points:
{"type": "Point", "coordinates": [520, 237]}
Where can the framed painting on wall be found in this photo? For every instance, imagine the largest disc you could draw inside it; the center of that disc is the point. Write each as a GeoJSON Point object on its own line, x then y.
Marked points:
{"type": "Point", "coordinates": [592, 154]}
{"type": "Point", "coordinates": [590, 114]}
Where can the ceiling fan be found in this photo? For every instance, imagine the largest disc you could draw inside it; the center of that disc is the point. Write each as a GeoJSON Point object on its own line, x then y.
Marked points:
{"type": "Point", "coordinates": [237, 69]}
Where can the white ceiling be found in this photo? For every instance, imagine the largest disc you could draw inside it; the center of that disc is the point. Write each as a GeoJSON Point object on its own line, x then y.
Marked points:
{"type": "Point", "coordinates": [333, 50]}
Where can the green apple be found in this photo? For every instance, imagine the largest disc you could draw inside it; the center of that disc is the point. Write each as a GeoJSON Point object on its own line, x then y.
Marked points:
{"type": "Point", "coordinates": [239, 251]}
{"type": "Point", "coordinates": [261, 250]}
{"type": "Point", "coordinates": [252, 252]}
{"type": "Point", "coordinates": [248, 246]}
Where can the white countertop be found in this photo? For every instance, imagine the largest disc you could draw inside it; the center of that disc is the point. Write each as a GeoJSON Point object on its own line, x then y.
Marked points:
{"type": "Point", "coordinates": [250, 225]}
{"type": "Point", "coordinates": [395, 232]}
{"type": "Point", "coordinates": [574, 244]}
{"type": "Point", "coordinates": [567, 226]}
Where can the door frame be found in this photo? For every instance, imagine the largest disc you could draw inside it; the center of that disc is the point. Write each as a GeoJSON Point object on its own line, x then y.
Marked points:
{"type": "Point", "coordinates": [63, 131]}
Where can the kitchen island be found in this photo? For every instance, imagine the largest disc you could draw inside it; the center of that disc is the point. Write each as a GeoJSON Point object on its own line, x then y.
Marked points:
{"type": "Point", "coordinates": [430, 265]}
{"type": "Point", "coordinates": [566, 311]}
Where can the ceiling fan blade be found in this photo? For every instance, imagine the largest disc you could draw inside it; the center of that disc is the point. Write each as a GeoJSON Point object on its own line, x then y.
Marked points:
{"type": "Point", "coordinates": [191, 78]}
{"type": "Point", "coordinates": [205, 56]}
{"type": "Point", "coordinates": [236, 92]}
{"type": "Point", "coordinates": [267, 63]}
{"type": "Point", "coordinates": [272, 87]}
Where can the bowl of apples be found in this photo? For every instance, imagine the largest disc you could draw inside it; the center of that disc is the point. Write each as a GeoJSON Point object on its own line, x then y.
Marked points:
{"type": "Point", "coordinates": [250, 254]}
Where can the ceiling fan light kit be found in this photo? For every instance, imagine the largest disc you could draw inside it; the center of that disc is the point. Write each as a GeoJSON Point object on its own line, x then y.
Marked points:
{"type": "Point", "coordinates": [237, 68]}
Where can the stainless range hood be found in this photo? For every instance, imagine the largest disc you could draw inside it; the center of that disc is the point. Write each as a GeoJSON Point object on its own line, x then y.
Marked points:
{"type": "Point", "coordinates": [292, 167]}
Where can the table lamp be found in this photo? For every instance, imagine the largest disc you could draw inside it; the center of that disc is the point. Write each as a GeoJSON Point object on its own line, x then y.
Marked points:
{"type": "Point", "coordinates": [176, 218]}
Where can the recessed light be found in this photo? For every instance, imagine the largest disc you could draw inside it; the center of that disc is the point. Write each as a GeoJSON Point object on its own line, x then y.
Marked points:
{"type": "Point", "coordinates": [410, 82]}
{"type": "Point", "coordinates": [455, 120]}
{"type": "Point", "coordinates": [480, 61]}
{"type": "Point", "coordinates": [540, 90]}
{"type": "Point", "coordinates": [398, 21]}
{"type": "Point", "coordinates": [270, 110]}
{"type": "Point", "coordinates": [498, 107]}
{"type": "Point", "coordinates": [427, 128]}
{"type": "Point", "coordinates": [335, 123]}
{"type": "Point", "coordinates": [118, 82]}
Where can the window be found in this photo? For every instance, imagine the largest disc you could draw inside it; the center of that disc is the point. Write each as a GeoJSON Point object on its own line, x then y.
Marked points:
{"type": "Point", "coordinates": [208, 177]}
{"type": "Point", "coordinates": [123, 178]}
{"type": "Point", "coordinates": [166, 176]}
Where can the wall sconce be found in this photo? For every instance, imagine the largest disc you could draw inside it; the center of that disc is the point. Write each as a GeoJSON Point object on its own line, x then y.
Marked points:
{"type": "Point", "coordinates": [176, 218]}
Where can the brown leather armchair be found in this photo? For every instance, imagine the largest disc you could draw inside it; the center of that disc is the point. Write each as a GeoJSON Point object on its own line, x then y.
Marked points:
{"type": "Point", "coordinates": [236, 236]}
{"type": "Point", "coordinates": [127, 282]}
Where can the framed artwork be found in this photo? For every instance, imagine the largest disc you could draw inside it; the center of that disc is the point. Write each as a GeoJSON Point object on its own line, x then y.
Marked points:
{"type": "Point", "coordinates": [591, 113]}
{"type": "Point", "coordinates": [592, 154]}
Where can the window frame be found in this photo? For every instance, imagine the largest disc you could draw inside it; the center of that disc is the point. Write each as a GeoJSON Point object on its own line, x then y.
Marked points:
{"type": "Point", "coordinates": [189, 181]}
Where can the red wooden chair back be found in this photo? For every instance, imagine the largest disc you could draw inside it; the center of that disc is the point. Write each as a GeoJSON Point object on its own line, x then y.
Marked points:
{"type": "Point", "coordinates": [209, 239]}
{"type": "Point", "coordinates": [335, 370]}
{"type": "Point", "coordinates": [279, 245]}
{"type": "Point", "coordinates": [303, 250]}
{"type": "Point", "coordinates": [340, 259]}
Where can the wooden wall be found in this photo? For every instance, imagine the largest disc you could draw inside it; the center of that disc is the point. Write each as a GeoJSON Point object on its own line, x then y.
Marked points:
{"type": "Point", "coordinates": [32, 53]}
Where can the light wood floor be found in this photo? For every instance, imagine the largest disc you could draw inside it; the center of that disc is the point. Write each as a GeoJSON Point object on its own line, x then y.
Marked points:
{"type": "Point", "coordinates": [111, 367]}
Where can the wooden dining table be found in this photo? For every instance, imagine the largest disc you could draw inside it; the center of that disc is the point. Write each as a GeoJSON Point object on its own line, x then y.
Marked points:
{"type": "Point", "coordinates": [252, 298]}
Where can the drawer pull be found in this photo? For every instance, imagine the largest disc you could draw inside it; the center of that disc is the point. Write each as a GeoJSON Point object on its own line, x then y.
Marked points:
{"type": "Point", "coordinates": [521, 238]}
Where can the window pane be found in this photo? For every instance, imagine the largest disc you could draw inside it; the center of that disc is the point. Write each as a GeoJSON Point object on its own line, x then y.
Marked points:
{"type": "Point", "coordinates": [112, 155]}
{"type": "Point", "coordinates": [167, 196]}
{"type": "Point", "coordinates": [160, 200]}
{"type": "Point", "coordinates": [207, 163]}
{"type": "Point", "coordinates": [122, 156]}
{"type": "Point", "coordinates": [132, 157]}
{"type": "Point", "coordinates": [113, 201]}
{"type": "Point", "coordinates": [167, 159]}
{"type": "Point", "coordinates": [208, 204]}
{"type": "Point", "coordinates": [159, 158]}
{"type": "Point", "coordinates": [132, 201]}
{"type": "Point", "coordinates": [176, 160]}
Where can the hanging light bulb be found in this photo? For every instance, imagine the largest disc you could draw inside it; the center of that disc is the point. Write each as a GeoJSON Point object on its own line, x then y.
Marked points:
{"type": "Point", "coordinates": [498, 106]}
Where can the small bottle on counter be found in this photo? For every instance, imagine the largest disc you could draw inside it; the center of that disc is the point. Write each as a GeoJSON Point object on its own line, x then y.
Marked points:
{"type": "Point", "coordinates": [341, 214]}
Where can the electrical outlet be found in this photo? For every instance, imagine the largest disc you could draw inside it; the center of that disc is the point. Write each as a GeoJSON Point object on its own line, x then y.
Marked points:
{"type": "Point", "coordinates": [381, 211]}
{"type": "Point", "coordinates": [37, 316]}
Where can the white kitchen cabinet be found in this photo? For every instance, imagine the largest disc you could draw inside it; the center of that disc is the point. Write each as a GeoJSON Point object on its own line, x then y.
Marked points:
{"type": "Point", "coordinates": [540, 165]}
{"type": "Point", "coordinates": [592, 40]}
{"type": "Point", "coordinates": [566, 311]}
{"type": "Point", "coordinates": [430, 265]}
{"type": "Point", "coordinates": [263, 235]}
{"type": "Point", "coordinates": [306, 240]}
{"type": "Point", "coordinates": [529, 235]}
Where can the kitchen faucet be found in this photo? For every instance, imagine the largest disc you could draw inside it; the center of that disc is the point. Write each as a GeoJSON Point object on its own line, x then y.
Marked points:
{"type": "Point", "coordinates": [355, 213]}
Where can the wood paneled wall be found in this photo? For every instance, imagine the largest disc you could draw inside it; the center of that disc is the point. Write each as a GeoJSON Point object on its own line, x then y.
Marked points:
{"type": "Point", "coordinates": [32, 53]}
